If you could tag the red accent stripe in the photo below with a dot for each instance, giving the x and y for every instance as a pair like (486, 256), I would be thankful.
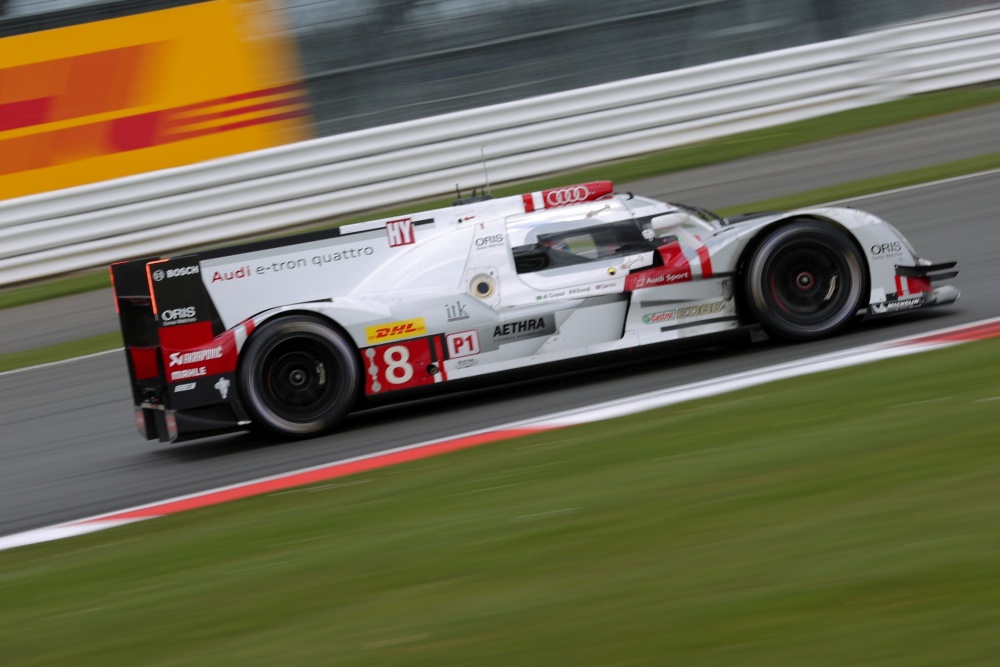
(988, 330)
(706, 262)
(899, 286)
(529, 204)
(176, 121)
(439, 353)
(144, 362)
(267, 92)
(181, 136)
(25, 113)
(332, 471)
(194, 335)
(918, 285)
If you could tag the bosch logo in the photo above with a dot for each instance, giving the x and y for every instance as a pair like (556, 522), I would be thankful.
(183, 271)
(887, 248)
(159, 275)
(566, 196)
(178, 314)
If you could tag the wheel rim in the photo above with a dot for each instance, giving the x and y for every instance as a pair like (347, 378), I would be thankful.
(808, 281)
(297, 382)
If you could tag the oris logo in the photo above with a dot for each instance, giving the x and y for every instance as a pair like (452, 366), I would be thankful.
(887, 248)
(489, 241)
(565, 196)
(177, 314)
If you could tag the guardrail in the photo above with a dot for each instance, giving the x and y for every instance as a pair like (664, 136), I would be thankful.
(161, 212)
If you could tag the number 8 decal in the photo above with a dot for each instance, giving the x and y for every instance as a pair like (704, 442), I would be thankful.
(400, 365)
(398, 370)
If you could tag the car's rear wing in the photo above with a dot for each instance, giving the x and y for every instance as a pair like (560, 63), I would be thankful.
(133, 303)
(180, 360)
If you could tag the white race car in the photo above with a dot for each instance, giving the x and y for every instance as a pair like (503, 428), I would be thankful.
(290, 335)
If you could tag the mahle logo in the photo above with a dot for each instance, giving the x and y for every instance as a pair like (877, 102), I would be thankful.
(383, 333)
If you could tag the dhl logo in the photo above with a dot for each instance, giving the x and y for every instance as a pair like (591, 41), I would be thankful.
(89, 92)
(383, 333)
(72, 112)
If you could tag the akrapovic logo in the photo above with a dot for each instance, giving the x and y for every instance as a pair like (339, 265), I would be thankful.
(383, 333)
(179, 315)
(196, 357)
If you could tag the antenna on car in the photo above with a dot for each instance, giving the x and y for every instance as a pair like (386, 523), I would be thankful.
(473, 198)
(486, 174)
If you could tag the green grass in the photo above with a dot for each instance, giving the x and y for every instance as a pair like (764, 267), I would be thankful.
(872, 185)
(677, 159)
(51, 289)
(60, 351)
(845, 518)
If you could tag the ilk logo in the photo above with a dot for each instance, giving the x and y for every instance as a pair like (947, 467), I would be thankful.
(456, 311)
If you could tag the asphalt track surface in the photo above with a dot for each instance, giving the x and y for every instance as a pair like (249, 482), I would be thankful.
(68, 448)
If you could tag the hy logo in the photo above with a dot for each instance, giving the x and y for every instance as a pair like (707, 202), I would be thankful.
(400, 232)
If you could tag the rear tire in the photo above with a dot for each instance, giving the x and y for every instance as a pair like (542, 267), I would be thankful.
(805, 281)
(298, 377)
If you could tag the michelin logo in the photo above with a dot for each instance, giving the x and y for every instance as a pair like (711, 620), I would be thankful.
(893, 306)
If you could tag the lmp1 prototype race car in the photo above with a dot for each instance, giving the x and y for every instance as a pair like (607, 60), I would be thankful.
(290, 335)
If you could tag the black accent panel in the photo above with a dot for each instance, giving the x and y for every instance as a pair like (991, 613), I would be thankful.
(926, 271)
(294, 239)
(206, 421)
(714, 320)
(270, 244)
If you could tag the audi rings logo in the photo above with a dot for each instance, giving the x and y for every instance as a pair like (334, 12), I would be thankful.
(159, 275)
(564, 196)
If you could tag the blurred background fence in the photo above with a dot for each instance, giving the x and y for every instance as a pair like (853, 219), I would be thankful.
(369, 63)
(544, 100)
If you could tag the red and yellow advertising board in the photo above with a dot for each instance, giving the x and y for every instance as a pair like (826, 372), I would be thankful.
(145, 91)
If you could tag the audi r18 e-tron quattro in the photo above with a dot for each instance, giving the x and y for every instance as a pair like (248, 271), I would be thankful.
(291, 335)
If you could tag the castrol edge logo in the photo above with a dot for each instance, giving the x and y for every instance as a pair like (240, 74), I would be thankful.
(383, 333)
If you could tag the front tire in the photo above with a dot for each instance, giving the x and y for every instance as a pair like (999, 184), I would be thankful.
(805, 281)
(298, 376)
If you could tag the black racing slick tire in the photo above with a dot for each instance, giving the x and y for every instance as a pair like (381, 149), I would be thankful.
(805, 281)
(298, 376)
